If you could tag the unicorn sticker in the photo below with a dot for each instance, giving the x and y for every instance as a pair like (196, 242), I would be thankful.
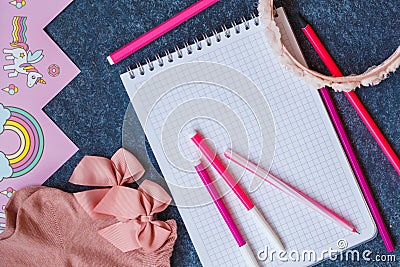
(23, 59)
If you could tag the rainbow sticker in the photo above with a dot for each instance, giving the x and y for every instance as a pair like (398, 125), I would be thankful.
(19, 29)
(31, 138)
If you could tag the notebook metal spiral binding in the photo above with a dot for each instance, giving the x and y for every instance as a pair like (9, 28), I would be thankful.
(196, 45)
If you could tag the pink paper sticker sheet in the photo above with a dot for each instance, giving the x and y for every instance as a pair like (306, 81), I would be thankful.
(33, 71)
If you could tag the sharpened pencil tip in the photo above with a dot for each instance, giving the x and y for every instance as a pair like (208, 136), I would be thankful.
(303, 23)
(228, 153)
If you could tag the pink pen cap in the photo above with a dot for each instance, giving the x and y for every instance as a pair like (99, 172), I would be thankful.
(221, 169)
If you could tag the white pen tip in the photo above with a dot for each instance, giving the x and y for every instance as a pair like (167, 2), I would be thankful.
(191, 134)
(109, 59)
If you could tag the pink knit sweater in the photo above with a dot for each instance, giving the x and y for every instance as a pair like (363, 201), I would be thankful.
(47, 227)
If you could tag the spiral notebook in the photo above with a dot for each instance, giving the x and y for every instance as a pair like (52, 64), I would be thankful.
(175, 95)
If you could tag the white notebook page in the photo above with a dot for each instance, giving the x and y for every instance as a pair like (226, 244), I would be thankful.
(307, 152)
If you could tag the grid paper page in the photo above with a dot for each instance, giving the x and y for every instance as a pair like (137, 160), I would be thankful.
(307, 153)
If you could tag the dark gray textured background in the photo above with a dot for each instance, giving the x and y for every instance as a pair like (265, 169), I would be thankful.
(90, 110)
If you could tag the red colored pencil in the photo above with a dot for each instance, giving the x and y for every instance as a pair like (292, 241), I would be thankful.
(351, 96)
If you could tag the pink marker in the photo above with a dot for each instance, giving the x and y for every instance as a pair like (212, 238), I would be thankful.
(158, 31)
(222, 170)
(244, 248)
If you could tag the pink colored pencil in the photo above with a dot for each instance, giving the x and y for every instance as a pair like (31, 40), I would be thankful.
(387, 240)
(251, 208)
(288, 189)
(244, 248)
(368, 121)
(158, 31)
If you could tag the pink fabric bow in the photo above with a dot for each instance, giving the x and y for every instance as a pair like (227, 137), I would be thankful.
(133, 208)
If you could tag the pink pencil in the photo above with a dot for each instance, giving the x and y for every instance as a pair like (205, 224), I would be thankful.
(288, 189)
(244, 248)
(221, 169)
(373, 128)
(158, 31)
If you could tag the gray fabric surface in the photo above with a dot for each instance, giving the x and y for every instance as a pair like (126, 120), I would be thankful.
(90, 110)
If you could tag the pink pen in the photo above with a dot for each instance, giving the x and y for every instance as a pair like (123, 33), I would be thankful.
(222, 170)
(158, 31)
(244, 248)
